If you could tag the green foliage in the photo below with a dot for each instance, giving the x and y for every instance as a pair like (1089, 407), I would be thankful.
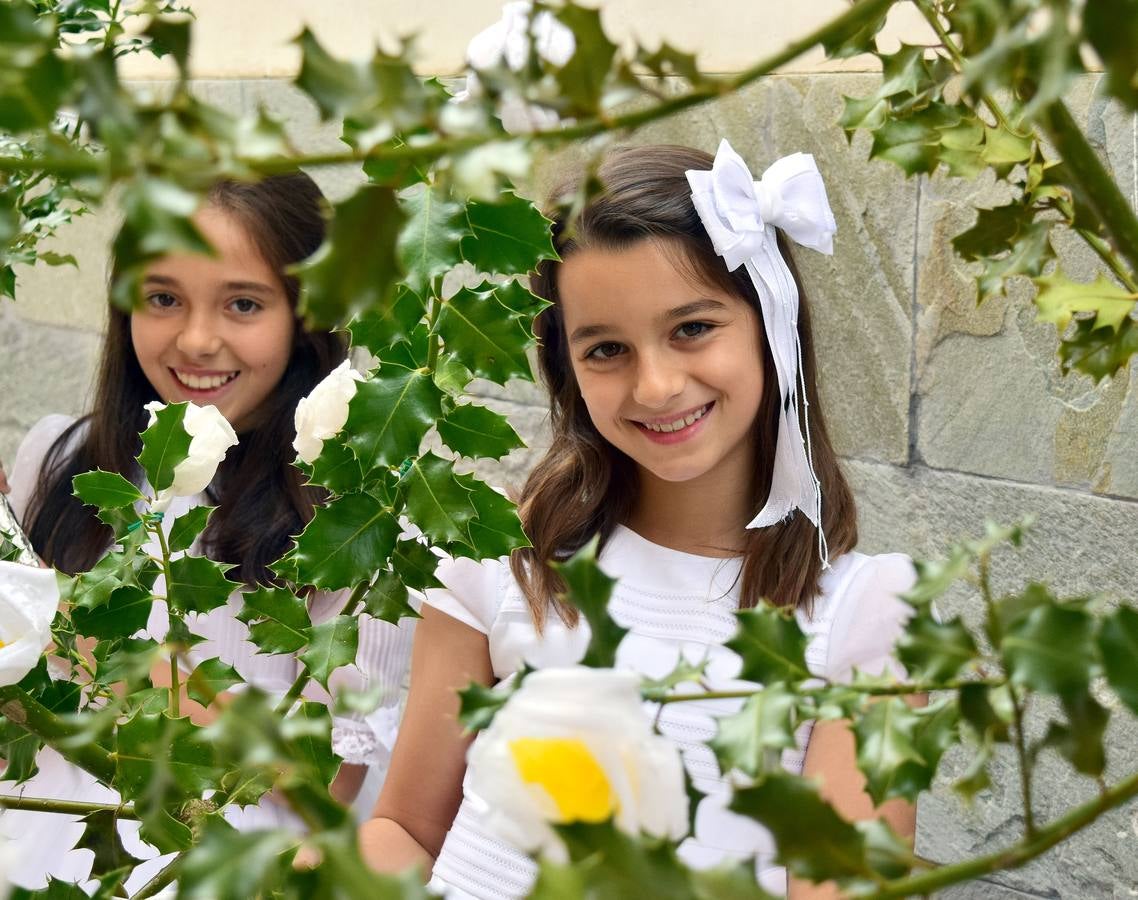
(277, 619)
(164, 445)
(389, 415)
(197, 584)
(771, 644)
(476, 431)
(106, 490)
(588, 589)
(752, 739)
(333, 644)
(486, 336)
(346, 542)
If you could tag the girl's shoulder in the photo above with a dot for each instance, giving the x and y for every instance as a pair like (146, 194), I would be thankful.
(26, 467)
(471, 590)
(860, 613)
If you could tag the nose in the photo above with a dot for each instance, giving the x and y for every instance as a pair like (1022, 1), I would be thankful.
(200, 335)
(658, 380)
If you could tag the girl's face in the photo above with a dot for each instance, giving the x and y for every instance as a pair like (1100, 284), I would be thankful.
(670, 370)
(214, 330)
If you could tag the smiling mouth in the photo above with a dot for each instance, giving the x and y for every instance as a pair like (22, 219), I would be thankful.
(203, 382)
(679, 423)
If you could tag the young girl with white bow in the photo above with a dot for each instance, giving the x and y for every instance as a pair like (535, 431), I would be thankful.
(221, 332)
(688, 438)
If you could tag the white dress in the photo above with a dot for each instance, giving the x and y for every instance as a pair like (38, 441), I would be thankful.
(673, 603)
(42, 843)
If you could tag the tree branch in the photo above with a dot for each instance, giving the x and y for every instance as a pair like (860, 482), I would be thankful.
(20, 709)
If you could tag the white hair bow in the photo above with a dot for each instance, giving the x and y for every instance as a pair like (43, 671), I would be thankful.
(740, 215)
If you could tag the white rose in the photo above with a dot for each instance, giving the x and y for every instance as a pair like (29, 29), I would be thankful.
(210, 437)
(575, 744)
(507, 42)
(29, 597)
(324, 411)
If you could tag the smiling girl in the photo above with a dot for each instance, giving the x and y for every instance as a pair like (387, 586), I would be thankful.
(220, 330)
(679, 361)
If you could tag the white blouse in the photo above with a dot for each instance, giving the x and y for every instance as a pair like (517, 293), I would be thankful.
(674, 604)
(382, 662)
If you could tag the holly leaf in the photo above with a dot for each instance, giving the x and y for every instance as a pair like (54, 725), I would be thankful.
(187, 527)
(197, 584)
(885, 734)
(387, 599)
(126, 611)
(278, 619)
(1118, 644)
(429, 244)
(477, 432)
(345, 542)
(338, 87)
(336, 468)
(389, 415)
(1098, 352)
(210, 678)
(936, 729)
(858, 36)
(1051, 649)
(382, 326)
(934, 651)
(771, 645)
(751, 739)
(913, 142)
(813, 841)
(106, 490)
(231, 863)
(588, 589)
(101, 837)
(479, 703)
(311, 743)
(1111, 27)
(976, 708)
(486, 338)
(437, 501)
(509, 237)
(355, 268)
(496, 529)
(415, 564)
(1004, 148)
(1059, 299)
(165, 444)
(1080, 738)
(153, 749)
(582, 79)
(333, 644)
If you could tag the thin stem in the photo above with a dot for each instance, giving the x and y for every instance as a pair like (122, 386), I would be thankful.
(887, 690)
(849, 21)
(433, 340)
(159, 881)
(1025, 768)
(20, 709)
(1026, 850)
(175, 687)
(930, 14)
(1107, 255)
(66, 807)
(1091, 179)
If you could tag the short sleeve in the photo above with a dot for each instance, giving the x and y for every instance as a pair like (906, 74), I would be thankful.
(25, 472)
(870, 617)
(472, 590)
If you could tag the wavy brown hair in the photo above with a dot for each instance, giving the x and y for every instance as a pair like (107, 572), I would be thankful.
(584, 486)
(262, 499)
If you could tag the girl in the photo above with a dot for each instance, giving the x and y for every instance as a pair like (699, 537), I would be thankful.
(677, 351)
(219, 330)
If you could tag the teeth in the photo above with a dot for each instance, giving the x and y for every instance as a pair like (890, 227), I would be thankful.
(203, 382)
(669, 427)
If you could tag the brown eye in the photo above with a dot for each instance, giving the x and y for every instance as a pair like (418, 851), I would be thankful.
(161, 300)
(694, 329)
(607, 350)
(244, 305)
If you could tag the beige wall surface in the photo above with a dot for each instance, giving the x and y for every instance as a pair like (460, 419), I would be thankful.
(252, 38)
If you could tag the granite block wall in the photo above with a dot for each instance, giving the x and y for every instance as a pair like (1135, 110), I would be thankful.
(946, 413)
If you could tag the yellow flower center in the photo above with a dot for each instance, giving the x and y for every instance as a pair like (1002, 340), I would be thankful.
(569, 773)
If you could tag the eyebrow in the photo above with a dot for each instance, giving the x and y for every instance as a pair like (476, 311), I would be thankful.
(255, 286)
(703, 305)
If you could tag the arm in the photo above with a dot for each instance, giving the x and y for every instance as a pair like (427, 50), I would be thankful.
(424, 784)
(831, 759)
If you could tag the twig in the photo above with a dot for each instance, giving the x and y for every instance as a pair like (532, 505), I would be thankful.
(67, 807)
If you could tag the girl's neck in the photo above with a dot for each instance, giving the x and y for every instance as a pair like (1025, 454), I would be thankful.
(702, 516)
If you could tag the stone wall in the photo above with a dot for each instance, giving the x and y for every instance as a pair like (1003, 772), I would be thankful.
(946, 413)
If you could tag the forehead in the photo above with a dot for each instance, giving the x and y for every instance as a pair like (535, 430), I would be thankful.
(642, 281)
(236, 251)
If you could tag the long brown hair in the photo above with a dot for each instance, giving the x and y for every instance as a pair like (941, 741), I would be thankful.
(584, 486)
(262, 498)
